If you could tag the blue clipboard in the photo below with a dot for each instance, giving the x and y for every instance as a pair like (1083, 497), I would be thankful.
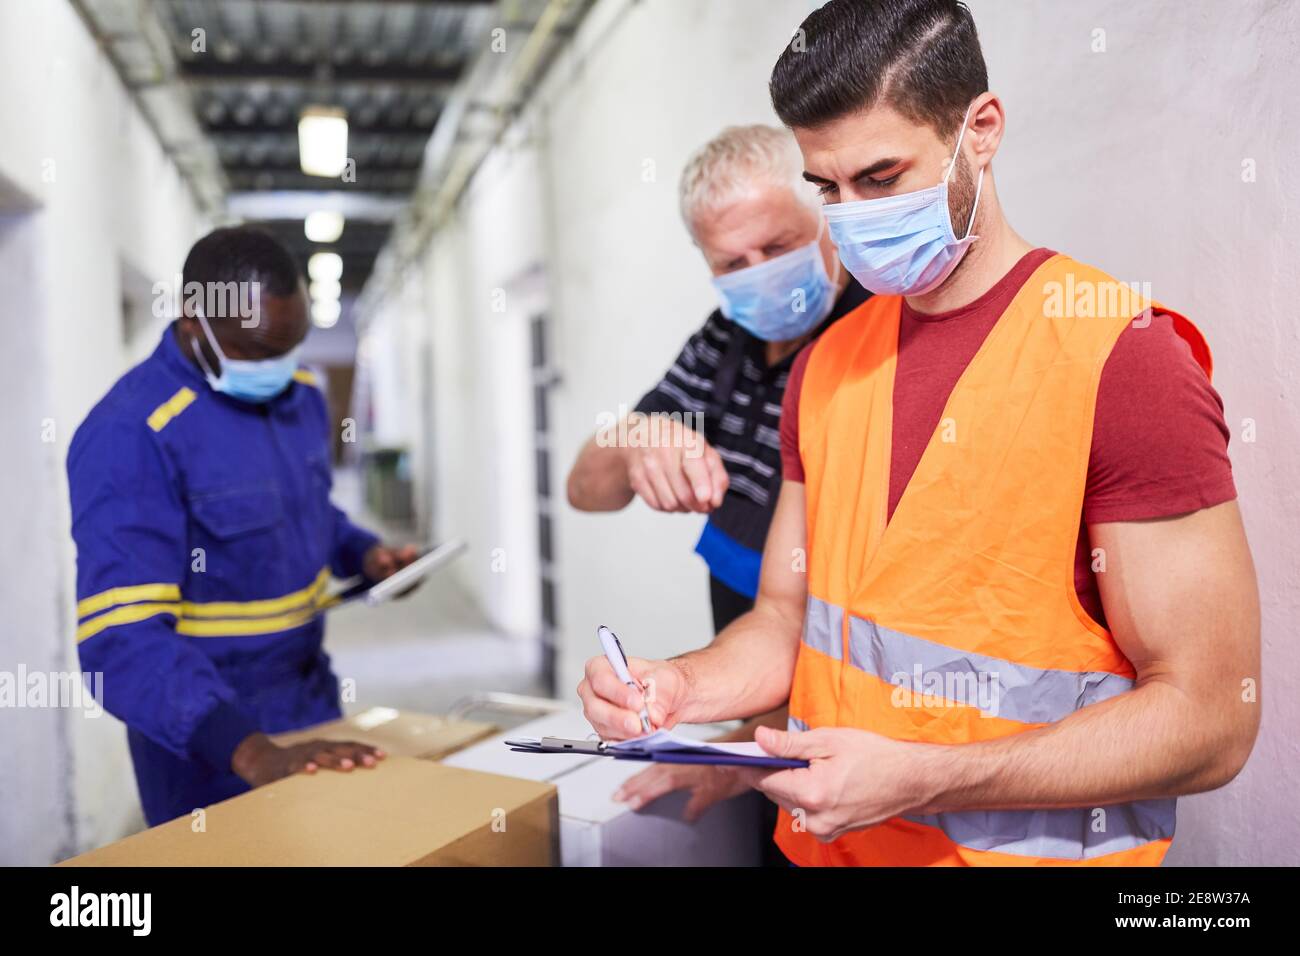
(598, 748)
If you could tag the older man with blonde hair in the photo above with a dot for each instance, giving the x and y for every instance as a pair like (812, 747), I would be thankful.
(710, 427)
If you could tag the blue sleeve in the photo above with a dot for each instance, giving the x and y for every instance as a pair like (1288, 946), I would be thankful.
(350, 545)
(129, 525)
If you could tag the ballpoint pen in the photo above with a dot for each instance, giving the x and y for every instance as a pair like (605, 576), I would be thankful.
(618, 660)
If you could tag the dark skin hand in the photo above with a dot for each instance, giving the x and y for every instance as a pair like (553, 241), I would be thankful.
(258, 760)
(381, 561)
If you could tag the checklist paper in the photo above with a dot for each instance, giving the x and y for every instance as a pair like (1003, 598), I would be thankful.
(666, 740)
(662, 746)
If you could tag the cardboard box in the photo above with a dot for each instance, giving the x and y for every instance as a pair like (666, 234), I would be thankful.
(404, 812)
(397, 733)
(597, 831)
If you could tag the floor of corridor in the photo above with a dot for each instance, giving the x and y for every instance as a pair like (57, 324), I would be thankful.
(428, 650)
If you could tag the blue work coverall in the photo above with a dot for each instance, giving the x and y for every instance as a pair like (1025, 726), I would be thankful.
(205, 541)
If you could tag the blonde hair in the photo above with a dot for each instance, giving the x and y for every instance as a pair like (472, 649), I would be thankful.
(724, 169)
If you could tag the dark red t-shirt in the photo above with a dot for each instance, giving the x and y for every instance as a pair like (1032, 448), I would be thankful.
(1159, 441)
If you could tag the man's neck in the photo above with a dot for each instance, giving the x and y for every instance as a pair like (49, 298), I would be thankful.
(776, 352)
(989, 258)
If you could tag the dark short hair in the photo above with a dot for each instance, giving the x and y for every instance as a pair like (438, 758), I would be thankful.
(243, 254)
(921, 57)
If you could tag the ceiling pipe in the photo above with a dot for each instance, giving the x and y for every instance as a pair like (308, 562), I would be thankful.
(160, 97)
(453, 156)
(521, 70)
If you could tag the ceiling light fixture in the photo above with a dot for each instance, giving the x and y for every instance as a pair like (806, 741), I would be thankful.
(323, 141)
(323, 225)
(325, 266)
(325, 313)
(325, 289)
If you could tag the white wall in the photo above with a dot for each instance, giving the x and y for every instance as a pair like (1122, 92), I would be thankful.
(74, 145)
(36, 802)
(1130, 159)
(476, 276)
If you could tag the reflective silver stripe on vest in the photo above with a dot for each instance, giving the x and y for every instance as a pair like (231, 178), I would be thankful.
(997, 687)
(1058, 834)
(794, 725)
(823, 627)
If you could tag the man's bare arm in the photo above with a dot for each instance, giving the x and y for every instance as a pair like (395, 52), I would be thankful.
(669, 466)
(598, 480)
(1182, 602)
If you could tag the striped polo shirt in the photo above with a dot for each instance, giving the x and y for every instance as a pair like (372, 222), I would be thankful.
(746, 432)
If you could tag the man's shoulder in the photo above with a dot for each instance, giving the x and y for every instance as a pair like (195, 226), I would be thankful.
(711, 341)
(718, 329)
(1158, 350)
(1160, 440)
(138, 406)
(309, 393)
(1155, 336)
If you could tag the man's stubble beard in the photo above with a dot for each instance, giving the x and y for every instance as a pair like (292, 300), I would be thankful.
(961, 201)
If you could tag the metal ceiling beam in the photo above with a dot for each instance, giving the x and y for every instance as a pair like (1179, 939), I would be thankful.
(392, 182)
(355, 206)
(374, 166)
(432, 87)
(405, 134)
(246, 71)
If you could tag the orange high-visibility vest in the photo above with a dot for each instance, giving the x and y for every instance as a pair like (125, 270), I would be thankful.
(959, 621)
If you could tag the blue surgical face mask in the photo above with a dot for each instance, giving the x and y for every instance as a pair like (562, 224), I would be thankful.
(902, 245)
(246, 380)
(781, 299)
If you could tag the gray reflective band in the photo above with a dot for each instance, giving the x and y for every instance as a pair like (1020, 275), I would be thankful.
(1075, 834)
(794, 725)
(997, 687)
(823, 628)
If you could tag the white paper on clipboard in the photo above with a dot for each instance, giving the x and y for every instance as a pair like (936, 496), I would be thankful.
(418, 569)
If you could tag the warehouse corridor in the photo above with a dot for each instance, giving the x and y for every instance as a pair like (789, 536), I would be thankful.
(498, 231)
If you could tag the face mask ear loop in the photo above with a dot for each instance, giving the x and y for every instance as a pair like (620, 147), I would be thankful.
(212, 340)
(970, 224)
(952, 164)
